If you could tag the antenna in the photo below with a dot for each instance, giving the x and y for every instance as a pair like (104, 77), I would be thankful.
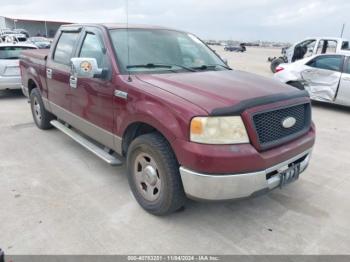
(127, 37)
(342, 31)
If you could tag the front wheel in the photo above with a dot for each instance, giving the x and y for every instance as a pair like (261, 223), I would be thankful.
(153, 175)
(41, 116)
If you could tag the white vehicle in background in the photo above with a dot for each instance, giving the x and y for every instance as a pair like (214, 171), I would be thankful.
(309, 47)
(6, 33)
(325, 77)
(10, 77)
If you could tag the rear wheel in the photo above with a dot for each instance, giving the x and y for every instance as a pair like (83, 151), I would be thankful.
(153, 175)
(275, 63)
(41, 116)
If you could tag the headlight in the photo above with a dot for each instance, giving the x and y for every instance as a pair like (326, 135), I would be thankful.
(218, 130)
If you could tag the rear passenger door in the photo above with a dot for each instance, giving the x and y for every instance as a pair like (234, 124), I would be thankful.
(322, 76)
(58, 71)
(343, 96)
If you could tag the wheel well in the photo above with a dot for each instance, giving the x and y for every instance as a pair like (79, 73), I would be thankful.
(31, 85)
(133, 131)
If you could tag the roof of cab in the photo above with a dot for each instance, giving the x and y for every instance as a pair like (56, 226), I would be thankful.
(120, 26)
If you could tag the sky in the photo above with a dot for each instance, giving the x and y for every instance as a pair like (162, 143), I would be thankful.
(245, 20)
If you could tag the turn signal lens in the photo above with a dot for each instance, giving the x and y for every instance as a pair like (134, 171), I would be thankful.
(196, 126)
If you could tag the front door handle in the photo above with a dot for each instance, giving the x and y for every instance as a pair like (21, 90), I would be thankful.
(49, 73)
(73, 81)
(121, 94)
(346, 78)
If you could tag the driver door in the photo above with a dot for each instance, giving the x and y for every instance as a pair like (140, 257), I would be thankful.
(322, 75)
(92, 99)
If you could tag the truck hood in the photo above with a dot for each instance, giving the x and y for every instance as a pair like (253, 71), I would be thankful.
(217, 89)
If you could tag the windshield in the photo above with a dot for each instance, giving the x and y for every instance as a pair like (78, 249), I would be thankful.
(12, 52)
(162, 50)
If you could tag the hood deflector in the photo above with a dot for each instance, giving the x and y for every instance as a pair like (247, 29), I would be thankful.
(249, 103)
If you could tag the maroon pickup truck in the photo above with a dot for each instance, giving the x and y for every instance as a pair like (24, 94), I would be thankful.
(186, 123)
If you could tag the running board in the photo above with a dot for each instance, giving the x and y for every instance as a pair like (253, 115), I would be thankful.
(110, 159)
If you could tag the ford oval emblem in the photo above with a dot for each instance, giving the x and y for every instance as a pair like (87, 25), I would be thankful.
(289, 122)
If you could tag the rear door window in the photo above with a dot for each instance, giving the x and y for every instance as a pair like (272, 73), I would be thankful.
(332, 63)
(327, 46)
(65, 47)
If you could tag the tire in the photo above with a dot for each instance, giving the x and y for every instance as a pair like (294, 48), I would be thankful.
(153, 175)
(274, 63)
(41, 116)
(296, 84)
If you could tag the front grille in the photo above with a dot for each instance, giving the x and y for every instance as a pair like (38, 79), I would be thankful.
(269, 127)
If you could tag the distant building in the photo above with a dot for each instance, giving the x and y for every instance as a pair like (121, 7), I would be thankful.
(34, 27)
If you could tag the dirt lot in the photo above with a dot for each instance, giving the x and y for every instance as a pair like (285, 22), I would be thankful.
(254, 60)
(57, 198)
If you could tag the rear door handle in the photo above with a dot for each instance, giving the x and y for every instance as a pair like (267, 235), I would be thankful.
(73, 81)
(346, 78)
(49, 73)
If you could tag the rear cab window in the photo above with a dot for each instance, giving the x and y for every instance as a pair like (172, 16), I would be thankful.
(345, 45)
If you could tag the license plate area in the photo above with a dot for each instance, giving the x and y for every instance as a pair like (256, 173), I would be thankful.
(289, 175)
(12, 71)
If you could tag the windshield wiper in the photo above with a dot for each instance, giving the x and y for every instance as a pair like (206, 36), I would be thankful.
(205, 67)
(149, 65)
(152, 65)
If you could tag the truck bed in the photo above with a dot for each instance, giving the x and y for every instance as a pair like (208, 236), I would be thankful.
(37, 54)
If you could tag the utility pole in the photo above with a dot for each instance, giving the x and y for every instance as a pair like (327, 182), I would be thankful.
(342, 31)
(46, 29)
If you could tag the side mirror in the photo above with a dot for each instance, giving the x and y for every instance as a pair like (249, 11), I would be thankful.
(86, 68)
(225, 61)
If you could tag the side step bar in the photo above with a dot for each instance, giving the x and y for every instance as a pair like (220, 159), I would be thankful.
(110, 159)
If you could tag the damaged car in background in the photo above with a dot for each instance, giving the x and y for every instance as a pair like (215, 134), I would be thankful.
(309, 47)
(325, 77)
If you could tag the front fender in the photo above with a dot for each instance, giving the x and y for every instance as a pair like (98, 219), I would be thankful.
(157, 116)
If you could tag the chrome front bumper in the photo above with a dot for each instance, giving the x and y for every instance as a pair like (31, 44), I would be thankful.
(226, 187)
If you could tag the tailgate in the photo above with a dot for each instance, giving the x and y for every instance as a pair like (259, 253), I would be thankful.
(9, 67)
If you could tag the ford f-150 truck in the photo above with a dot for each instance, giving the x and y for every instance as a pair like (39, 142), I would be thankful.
(187, 124)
